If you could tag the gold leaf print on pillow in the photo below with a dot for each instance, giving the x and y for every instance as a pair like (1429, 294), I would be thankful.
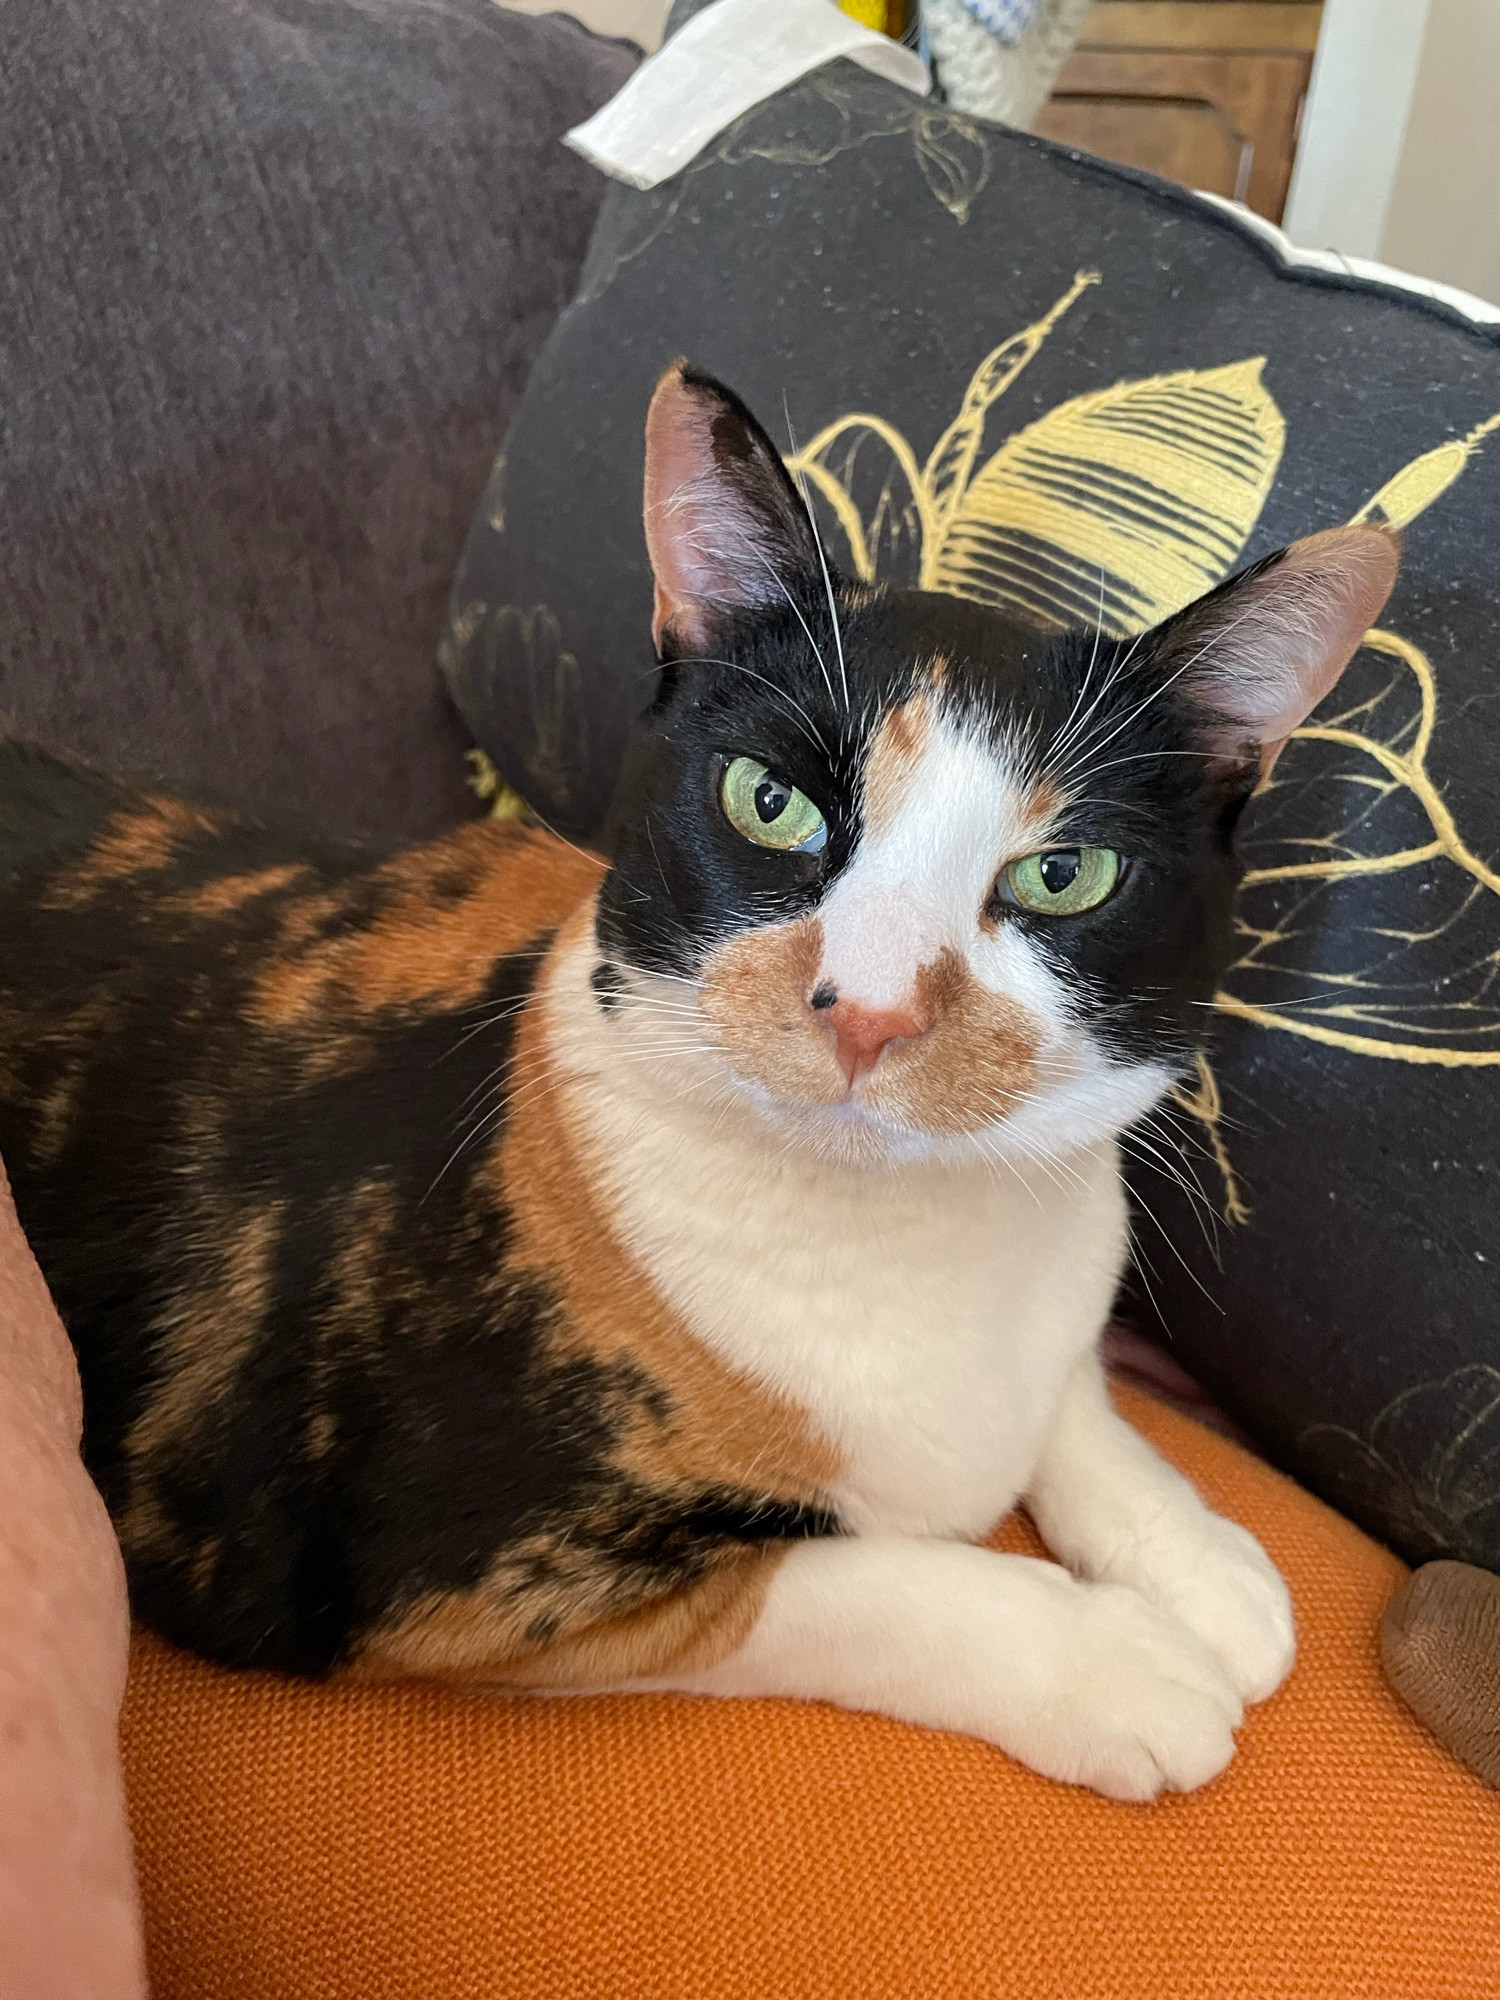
(1117, 508)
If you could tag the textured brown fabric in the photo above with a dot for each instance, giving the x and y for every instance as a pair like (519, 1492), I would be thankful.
(398, 1843)
(1440, 1647)
(272, 274)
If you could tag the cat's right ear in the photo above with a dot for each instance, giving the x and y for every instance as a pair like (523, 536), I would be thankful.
(725, 528)
(1257, 655)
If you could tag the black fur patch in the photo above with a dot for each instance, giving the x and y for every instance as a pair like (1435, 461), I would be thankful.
(608, 985)
(1141, 964)
(801, 676)
(318, 1389)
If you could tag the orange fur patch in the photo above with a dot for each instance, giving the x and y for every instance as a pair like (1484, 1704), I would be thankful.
(207, 1339)
(139, 841)
(75, 1043)
(704, 1425)
(430, 946)
(479, 1639)
(895, 755)
(1044, 807)
(755, 991)
(231, 892)
(975, 1063)
(975, 1060)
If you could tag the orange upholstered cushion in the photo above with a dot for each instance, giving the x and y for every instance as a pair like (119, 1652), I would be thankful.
(298, 1841)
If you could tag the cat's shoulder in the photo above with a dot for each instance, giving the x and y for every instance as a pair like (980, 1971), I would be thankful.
(72, 829)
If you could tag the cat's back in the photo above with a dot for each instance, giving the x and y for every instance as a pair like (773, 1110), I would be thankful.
(180, 986)
(249, 1080)
(89, 860)
(98, 872)
(50, 810)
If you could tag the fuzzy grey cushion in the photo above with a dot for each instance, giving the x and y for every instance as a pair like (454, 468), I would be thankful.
(273, 275)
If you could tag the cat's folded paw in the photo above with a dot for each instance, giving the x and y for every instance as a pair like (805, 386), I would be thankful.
(1220, 1582)
(1141, 1706)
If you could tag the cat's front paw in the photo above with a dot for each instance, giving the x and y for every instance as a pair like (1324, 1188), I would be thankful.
(1214, 1576)
(1140, 1705)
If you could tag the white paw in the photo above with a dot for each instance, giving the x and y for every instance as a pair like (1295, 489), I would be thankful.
(1139, 1705)
(1214, 1576)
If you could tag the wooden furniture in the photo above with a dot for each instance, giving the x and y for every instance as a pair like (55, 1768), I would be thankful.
(1206, 92)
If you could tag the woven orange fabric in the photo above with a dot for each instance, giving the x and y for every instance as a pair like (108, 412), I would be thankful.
(400, 1844)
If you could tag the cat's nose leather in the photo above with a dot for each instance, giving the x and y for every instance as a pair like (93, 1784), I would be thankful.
(861, 1035)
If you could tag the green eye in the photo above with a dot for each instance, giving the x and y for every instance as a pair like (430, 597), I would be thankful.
(767, 810)
(1064, 881)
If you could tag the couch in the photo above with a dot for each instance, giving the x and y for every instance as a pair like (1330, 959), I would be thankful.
(275, 272)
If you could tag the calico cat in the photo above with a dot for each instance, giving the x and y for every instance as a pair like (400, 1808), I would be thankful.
(490, 1264)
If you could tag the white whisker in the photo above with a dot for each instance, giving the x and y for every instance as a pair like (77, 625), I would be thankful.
(811, 730)
(761, 557)
(833, 611)
(1162, 687)
(1153, 1218)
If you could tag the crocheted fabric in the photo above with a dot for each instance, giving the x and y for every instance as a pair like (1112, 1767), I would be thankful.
(302, 1842)
(1005, 67)
(1007, 20)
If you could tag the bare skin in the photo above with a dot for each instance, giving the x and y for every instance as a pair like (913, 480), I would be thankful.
(69, 1918)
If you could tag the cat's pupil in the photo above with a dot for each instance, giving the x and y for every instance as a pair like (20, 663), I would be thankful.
(772, 798)
(1060, 870)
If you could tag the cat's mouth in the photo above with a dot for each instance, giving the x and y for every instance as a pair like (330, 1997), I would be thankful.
(1079, 1098)
(952, 1058)
(852, 1128)
(924, 1097)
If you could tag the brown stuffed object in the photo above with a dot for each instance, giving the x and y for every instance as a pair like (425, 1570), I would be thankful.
(1440, 1646)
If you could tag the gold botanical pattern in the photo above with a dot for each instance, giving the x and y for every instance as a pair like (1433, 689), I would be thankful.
(1428, 1467)
(1118, 508)
(1414, 986)
(952, 152)
(835, 115)
(520, 651)
(1201, 1100)
(486, 783)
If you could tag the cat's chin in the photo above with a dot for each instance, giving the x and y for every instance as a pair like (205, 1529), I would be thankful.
(851, 1133)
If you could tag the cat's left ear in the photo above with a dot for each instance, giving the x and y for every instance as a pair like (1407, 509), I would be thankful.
(725, 528)
(1256, 656)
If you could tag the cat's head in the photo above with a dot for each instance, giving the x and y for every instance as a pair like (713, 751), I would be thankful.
(907, 877)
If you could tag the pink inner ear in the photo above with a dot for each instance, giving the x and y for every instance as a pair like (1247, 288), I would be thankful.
(704, 535)
(724, 527)
(678, 451)
(1283, 638)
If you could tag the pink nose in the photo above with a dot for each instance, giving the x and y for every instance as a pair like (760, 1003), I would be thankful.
(862, 1034)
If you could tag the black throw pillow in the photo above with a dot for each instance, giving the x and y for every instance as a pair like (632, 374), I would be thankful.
(1074, 392)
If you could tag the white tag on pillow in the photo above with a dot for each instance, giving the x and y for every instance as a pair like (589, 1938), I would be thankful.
(731, 56)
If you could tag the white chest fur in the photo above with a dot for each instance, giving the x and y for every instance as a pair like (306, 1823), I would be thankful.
(923, 1315)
